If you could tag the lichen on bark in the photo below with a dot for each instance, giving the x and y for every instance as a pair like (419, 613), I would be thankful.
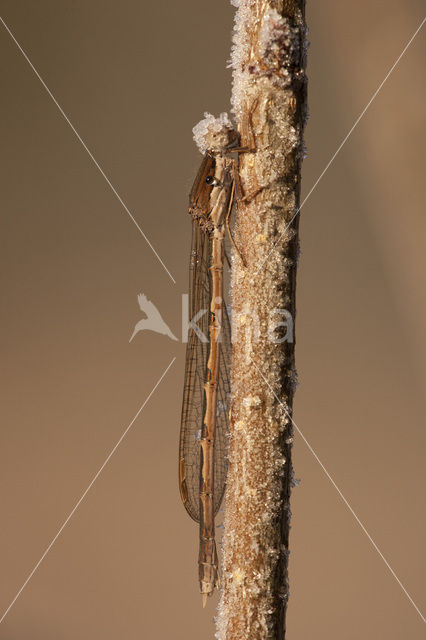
(269, 103)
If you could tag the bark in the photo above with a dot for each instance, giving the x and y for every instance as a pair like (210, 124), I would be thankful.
(269, 101)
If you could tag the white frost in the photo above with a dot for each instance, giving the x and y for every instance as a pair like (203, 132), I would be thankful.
(214, 134)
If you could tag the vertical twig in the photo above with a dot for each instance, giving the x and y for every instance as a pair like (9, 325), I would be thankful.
(269, 101)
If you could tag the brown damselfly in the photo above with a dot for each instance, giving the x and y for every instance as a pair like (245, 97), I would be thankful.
(205, 410)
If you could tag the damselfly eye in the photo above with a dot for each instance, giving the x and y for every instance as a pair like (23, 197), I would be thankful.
(210, 180)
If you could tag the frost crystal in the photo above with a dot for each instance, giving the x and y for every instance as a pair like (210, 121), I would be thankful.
(279, 51)
(279, 45)
(214, 134)
(250, 402)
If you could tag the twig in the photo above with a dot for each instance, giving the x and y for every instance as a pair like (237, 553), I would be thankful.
(269, 101)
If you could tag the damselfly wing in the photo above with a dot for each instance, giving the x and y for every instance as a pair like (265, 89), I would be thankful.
(197, 353)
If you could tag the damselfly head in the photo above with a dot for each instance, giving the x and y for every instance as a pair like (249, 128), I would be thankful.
(215, 135)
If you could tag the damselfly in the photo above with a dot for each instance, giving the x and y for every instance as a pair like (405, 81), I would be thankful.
(205, 411)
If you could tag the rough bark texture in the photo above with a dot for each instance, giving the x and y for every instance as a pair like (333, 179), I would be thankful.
(269, 92)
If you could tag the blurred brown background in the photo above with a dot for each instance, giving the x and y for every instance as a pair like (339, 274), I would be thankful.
(134, 78)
